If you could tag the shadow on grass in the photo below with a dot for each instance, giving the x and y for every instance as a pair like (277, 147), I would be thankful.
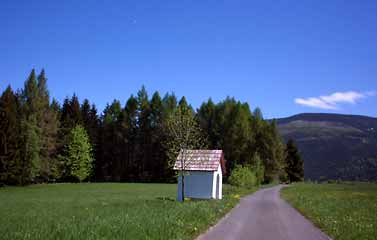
(166, 199)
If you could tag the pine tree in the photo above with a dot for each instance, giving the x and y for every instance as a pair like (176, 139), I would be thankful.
(294, 163)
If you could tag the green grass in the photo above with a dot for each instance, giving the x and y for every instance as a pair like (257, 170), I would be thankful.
(107, 211)
(344, 211)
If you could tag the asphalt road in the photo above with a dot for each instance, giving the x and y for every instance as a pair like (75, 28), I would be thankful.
(264, 216)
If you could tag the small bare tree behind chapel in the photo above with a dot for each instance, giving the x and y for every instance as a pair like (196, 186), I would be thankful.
(183, 133)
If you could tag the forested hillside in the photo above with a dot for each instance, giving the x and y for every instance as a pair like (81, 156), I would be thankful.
(334, 146)
(41, 138)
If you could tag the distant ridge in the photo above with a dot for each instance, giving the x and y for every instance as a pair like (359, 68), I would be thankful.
(334, 146)
(356, 120)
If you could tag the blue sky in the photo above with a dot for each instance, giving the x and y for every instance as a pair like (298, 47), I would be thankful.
(286, 57)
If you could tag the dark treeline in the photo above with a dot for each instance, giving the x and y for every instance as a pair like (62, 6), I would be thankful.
(127, 140)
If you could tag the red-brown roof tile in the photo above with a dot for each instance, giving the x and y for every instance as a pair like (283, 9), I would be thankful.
(200, 160)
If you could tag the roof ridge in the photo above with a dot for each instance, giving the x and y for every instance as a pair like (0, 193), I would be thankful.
(199, 159)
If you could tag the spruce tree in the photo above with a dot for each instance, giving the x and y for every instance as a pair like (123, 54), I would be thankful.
(31, 162)
(269, 145)
(75, 111)
(183, 103)
(232, 131)
(169, 103)
(258, 114)
(143, 134)
(10, 169)
(93, 129)
(85, 109)
(157, 157)
(47, 119)
(90, 122)
(43, 93)
(231, 126)
(129, 126)
(70, 116)
(294, 164)
(64, 112)
(206, 115)
(111, 141)
(276, 152)
(55, 106)
(65, 126)
(30, 131)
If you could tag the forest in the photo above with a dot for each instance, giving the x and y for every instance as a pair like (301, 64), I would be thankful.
(40, 137)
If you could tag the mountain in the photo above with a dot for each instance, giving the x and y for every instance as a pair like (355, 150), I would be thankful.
(334, 146)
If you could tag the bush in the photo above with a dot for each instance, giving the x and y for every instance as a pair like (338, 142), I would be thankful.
(243, 176)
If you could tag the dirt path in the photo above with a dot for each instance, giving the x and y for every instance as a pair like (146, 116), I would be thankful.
(264, 215)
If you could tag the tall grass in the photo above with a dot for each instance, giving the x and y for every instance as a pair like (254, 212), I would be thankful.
(345, 211)
(107, 211)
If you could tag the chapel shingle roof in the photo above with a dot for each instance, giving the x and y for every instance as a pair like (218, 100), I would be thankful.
(200, 160)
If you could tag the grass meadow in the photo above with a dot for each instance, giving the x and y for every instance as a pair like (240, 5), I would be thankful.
(344, 211)
(107, 211)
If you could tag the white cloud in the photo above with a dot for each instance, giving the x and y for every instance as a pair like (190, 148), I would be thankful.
(340, 97)
(332, 101)
(314, 102)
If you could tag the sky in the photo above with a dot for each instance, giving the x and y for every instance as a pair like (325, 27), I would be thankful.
(286, 57)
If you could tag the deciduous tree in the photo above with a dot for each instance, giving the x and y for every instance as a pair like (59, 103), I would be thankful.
(77, 157)
(183, 133)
